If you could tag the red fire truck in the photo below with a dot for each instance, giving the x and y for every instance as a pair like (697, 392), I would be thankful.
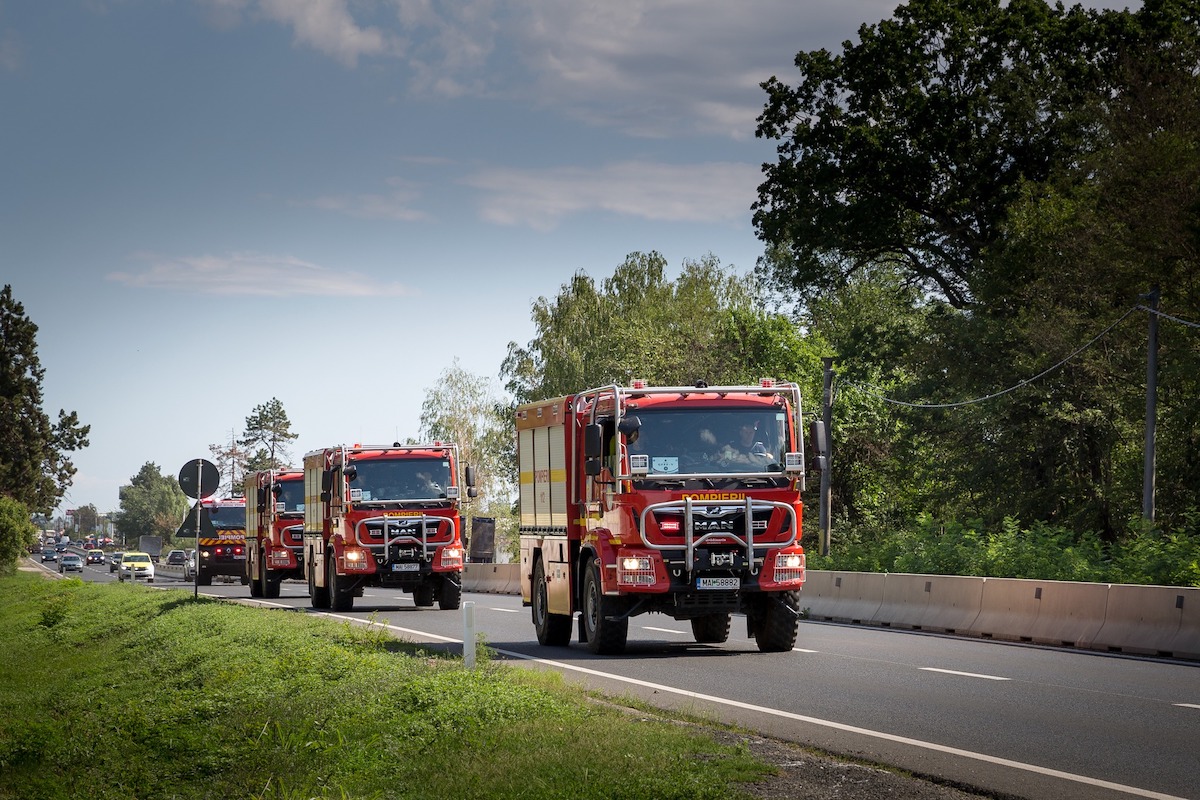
(384, 515)
(274, 529)
(679, 500)
(223, 553)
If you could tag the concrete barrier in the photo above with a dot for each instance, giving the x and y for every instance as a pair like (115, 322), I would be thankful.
(491, 578)
(842, 596)
(1008, 608)
(1147, 620)
(1070, 613)
(929, 602)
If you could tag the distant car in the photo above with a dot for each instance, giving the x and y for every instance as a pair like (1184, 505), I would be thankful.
(94, 557)
(70, 562)
(114, 562)
(49, 554)
(135, 566)
(177, 558)
(189, 567)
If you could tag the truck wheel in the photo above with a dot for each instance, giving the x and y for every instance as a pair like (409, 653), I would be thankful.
(256, 584)
(423, 596)
(271, 586)
(711, 628)
(451, 596)
(341, 596)
(553, 630)
(604, 636)
(776, 629)
(319, 594)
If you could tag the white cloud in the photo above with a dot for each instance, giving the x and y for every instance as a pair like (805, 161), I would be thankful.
(397, 205)
(717, 193)
(254, 275)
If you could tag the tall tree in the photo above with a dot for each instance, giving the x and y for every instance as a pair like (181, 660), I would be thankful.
(466, 409)
(268, 434)
(232, 463)
(34, 467)
(705, 325)
(152, 504)
(909, 146)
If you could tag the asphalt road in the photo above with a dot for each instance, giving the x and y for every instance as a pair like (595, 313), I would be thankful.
(1010, 719)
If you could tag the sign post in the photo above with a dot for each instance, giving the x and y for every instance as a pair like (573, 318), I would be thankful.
(198, 479)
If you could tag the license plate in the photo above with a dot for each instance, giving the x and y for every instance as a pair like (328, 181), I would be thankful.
(406, 567)
(718, 583)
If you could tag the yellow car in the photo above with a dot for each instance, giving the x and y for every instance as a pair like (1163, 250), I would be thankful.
(135, 566)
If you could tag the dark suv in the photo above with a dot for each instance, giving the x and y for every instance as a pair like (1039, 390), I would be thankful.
(177, 558)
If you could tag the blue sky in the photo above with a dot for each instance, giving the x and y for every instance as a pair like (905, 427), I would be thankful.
(205, 204)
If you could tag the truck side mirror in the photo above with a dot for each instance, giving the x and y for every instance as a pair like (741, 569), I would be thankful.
(261, 497)
(470, 472)
(630, 425)
(593, 441)
(350, 472)
(326, 481)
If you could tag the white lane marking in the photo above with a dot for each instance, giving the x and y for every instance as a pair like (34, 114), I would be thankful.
(802, 650)
(965, 674)
(507, 610)
(662, 630)
(775, 712)
(1187, 705)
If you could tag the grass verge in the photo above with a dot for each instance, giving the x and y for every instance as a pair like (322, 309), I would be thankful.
(115, 691)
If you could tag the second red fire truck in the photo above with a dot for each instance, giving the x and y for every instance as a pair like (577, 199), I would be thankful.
(384, 515)
(274, 529)
(679, 500)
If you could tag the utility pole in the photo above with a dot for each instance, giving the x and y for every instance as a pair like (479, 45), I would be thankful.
(1151, 406)
(827, 419)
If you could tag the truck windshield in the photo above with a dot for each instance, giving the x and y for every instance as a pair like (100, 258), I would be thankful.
(384, 479)
(228, 518)
(733, 441)
(291, 494)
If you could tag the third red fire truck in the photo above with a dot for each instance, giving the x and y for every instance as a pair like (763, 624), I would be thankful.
(679, 500)
(274, 529)
(223, 552)
(384, 515)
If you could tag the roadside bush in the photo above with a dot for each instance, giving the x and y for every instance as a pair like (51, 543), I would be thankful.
(16, 533)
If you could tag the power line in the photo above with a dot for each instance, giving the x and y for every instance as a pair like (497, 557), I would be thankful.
(1158, 313)
(1016, 386)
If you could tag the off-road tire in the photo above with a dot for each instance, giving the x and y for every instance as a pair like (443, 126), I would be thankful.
(423, 596)
(319, 594)
(341, 597)
(271, 586)
(450, 598)
(553, 630)
(256, 584)
(776, 629)
(604, 636)
(711, 628)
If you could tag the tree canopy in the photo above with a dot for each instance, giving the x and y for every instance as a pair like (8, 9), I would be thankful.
(704, 325)
(268, 435)
(971, 205)
(34, 465)
(909, 146)
(152, 504)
